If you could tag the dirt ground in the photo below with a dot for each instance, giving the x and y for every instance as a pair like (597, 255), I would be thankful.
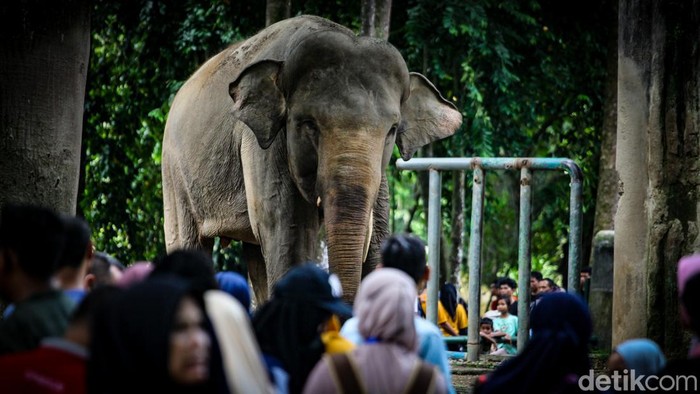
(464, 374)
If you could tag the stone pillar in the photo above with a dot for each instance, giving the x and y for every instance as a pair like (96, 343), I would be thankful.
(601, 294)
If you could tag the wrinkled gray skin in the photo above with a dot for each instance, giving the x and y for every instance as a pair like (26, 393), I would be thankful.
(301, 113)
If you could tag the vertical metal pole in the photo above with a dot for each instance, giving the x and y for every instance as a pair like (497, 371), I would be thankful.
(433, 243)
(473, 339)
(524, 257)
(573, 284)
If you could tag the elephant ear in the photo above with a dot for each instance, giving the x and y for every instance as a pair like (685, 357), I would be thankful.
(425, 117)
(258, 102)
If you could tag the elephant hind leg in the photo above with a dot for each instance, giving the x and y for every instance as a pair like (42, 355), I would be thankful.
(181, 229)
(255, 263)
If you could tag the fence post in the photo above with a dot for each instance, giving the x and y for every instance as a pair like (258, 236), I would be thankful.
(474, 262)
(435, 186)
(524, 253)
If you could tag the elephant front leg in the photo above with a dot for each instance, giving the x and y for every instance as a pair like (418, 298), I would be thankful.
(380, 227)
(255, 263)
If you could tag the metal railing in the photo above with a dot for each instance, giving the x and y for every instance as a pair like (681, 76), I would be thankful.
(478, 165)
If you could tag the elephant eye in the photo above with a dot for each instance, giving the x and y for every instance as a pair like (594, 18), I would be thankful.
(393, 130)
(308, 125)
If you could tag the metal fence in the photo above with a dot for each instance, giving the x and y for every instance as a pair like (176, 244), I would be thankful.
(478, 165)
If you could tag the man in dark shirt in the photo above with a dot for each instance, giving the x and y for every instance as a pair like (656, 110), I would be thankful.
(31, 241)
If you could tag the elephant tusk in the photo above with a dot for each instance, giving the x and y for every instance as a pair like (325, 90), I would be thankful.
(368, 238)
(318, 202)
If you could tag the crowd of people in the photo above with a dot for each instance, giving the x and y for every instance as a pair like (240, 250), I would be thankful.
(76, 320)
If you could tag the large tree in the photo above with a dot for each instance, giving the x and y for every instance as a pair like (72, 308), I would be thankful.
(44, 51)
(657, 162)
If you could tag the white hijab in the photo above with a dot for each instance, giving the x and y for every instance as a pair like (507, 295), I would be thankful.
(242, 359)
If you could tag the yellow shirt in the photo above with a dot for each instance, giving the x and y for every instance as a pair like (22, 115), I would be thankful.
(333, 341)
(442, 313)
(460, 321)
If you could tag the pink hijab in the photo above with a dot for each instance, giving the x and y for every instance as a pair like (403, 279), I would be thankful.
(135, 273)
(688, 266)
(384, 308)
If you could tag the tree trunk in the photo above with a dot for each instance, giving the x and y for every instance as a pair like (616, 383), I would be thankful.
(44, 52)
(376, 18)
(606, 198)
(368, 11)
(657, 163)
(277, 10)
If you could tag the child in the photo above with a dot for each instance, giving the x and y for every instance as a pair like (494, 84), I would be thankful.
(488, 344)
(505, 327)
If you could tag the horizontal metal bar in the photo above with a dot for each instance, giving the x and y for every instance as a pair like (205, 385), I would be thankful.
(457, 355)
(457, 339)
(491, 163)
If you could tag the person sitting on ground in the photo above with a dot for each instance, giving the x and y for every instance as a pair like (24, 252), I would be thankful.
(505, 328)
(406, 253)
(506, 288)
(556, 355)
(73, 264)
(456, 314)
(26, 269)
(289, 326)
(443, 320)
(103, 269)
(641, 355)
(387, 361)
(689, 308)
(58, 364)
(151, 339)
(488, 344)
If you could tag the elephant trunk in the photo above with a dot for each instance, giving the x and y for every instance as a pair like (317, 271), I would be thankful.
(348, 182)
(348, 229)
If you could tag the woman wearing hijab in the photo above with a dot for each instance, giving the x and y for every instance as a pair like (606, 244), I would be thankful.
(556, 355)
(387, 361)
(242, 361)
(289, 326)
(641, 355)
(236, 285)
(151, 339)
(456, 314)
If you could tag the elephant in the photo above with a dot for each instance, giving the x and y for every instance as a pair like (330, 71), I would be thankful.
(290, 130)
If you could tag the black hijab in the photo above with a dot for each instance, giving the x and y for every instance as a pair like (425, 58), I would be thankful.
(448, 298)
(287, 329)
(130, 345)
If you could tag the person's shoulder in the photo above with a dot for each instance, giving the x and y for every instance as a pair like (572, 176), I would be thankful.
(350, 326)
(425, 327)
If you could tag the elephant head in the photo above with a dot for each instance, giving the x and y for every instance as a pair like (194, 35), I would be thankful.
(342, 102)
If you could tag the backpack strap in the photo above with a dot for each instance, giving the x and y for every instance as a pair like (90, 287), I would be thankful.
(345, 374)
(421, 380)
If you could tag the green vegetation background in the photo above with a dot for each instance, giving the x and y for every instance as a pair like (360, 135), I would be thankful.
(528, 77)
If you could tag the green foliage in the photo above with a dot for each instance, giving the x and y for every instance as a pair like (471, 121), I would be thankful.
(526, 75)
(528, 78)
(142, 51)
